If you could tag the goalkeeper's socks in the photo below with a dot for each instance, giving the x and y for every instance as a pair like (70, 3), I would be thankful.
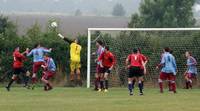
(106, 84)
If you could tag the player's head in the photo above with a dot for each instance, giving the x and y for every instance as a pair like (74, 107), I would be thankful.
(46, 57)
(107, 48)
(17, 49)
(99, 43)
(37, 45)
(166, 49)
(76, 40)
(187, 53)
(135, 50)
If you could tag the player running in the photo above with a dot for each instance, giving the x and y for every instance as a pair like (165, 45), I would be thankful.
(75, 58)
(38, 60)
(168, 70)
(191, 71)
(107, 61)
(99, 69)
(135, 63)
(49, 71)
(18, 67)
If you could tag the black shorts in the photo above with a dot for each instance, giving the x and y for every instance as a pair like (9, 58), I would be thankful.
(106, 70)
(17, 71)
(135, 72)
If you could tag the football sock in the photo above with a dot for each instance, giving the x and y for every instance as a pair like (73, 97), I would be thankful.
(106, 84)
(133, 84)
(101, 84)
(161, 86)
(140, 86)
(10, 83)
(130, 87)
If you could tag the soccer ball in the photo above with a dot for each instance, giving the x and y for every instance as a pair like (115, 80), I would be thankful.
(54, 24)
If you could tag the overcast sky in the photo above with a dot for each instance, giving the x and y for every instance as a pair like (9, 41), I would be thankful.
(88, 7)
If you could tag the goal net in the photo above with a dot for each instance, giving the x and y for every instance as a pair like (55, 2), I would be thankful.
(151, 41)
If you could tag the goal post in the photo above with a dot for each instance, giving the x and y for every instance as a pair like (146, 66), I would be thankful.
(91, 30)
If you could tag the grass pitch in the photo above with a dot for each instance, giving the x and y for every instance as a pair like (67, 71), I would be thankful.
(82, 99)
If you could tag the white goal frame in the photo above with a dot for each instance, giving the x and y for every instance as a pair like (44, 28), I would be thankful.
(123, 29)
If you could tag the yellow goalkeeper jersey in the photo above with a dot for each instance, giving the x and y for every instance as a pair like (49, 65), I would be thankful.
(75, 52)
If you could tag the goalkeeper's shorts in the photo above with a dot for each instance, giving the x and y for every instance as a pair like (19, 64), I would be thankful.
(74, 65)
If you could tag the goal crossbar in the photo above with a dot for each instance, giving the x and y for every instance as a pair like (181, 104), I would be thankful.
(123, 29)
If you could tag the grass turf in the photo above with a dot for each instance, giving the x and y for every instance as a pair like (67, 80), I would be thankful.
(82, 99)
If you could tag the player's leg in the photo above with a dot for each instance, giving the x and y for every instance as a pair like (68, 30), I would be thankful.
(140, 74)
(106, 81)
(131, 81)
(72, 70)
(172, 79)
(101, 85)
(78, 72)
(97, 78)
(188, 80)
(162, 77)
(26, 75)
(45, 79)
(14, 77)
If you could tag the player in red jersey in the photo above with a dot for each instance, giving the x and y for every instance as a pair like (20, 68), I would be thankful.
(134, 63)
(107, 62)
(18, 59)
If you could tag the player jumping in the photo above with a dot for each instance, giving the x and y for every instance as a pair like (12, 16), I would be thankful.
(134, 63)
(75, 58)
(99, 69)
(191, 72)
(18, 59)
(38, 60)
(168, 70)
(107, 61)
(49, 71)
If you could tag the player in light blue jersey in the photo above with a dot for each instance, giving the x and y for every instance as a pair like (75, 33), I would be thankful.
(168, 70)
(49, 72)
(38, 59)
(191, 71)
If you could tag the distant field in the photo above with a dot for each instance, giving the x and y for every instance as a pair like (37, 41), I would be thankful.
(82, 99)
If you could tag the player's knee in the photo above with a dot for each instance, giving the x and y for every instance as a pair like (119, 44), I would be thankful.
(129, 82)
(160, 80)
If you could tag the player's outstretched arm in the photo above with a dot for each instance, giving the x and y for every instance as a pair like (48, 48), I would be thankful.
(65, 38)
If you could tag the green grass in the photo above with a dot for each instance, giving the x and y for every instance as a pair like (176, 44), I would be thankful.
(82, 99)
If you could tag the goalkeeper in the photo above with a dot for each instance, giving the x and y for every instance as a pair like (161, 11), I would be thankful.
(75, 58)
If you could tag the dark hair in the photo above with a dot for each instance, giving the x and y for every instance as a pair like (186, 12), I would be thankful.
(171, 51)
(167, 49)
(36, 45)
(107, 48)
(100, 42)
(135, 50)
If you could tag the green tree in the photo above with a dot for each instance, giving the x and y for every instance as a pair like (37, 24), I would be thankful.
(118, 10)
(164, 13)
